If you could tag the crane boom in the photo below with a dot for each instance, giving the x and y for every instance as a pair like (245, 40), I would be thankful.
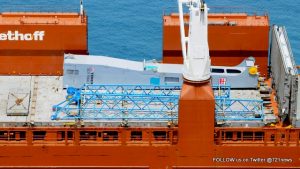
(195, 47)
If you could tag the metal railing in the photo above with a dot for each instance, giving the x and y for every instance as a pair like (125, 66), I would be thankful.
(39, 8)
(89, 136)
(257, 136)
(223, 9)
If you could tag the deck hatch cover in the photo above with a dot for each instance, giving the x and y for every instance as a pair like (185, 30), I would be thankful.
(18, 103)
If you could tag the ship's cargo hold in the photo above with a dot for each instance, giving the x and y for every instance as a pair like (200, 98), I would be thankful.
(34, 43)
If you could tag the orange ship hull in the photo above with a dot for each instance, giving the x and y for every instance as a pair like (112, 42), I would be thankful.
(135, 157)
(149, 152)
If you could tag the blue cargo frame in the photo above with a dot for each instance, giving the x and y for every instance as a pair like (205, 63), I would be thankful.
(120, 102)
(146, 103)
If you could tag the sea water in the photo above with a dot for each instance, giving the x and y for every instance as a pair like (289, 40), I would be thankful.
(132, 29)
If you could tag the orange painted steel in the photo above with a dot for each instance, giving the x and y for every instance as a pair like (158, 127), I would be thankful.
(63, 33)
(91, 147)
(195, 121)
(194, 143)
(229, 44)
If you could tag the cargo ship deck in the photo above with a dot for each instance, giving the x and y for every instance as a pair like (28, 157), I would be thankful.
(28, 100)
(46, 121)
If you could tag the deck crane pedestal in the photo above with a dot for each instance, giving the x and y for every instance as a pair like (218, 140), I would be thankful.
(196, 103)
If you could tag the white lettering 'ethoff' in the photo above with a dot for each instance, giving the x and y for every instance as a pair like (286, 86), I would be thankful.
(16, 36)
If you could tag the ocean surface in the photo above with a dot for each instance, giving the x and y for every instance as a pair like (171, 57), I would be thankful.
(132, 29)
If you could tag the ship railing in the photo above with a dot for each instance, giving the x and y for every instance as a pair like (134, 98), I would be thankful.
(223, 10)
(13, 142)
(266, 136)
(164, 136)
(39, 8)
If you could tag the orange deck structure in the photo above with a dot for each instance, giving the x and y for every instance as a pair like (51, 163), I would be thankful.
(63, 33)
(195, 142)
(231, 38)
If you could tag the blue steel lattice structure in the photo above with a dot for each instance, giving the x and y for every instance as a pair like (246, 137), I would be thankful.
(120, 102)
(136, 103)
(239, 110)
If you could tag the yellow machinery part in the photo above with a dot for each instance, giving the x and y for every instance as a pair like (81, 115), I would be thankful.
(253, 70)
